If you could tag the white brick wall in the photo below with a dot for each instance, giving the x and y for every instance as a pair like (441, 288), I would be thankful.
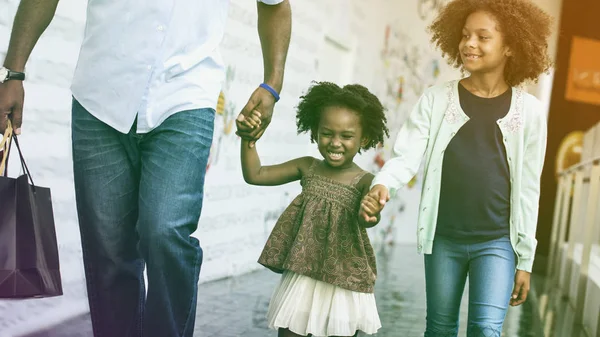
(236, 218)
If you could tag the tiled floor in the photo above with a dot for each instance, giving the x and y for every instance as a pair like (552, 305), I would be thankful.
(237, 306)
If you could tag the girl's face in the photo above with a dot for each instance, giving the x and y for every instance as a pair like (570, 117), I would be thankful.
(482, 48)
(339, 136)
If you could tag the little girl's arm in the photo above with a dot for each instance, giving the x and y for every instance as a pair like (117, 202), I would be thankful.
(256, 174)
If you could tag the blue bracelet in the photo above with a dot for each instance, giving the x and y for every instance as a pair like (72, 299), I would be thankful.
(271, 90)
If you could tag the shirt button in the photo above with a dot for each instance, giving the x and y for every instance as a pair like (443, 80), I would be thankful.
(424, 208)
(453, 133)
(420, 247)
(160, 28)
(149, 67)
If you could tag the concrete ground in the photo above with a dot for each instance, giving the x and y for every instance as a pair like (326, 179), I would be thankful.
(237, 306)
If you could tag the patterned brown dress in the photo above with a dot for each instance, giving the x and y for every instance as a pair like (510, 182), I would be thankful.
(318, 236)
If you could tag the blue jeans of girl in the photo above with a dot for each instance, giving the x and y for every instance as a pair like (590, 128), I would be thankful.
(490, 268)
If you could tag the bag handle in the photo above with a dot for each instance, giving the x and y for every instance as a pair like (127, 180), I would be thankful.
(6, 142)
(5, 147)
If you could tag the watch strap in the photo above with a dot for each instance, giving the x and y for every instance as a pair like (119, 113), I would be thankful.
(15, 75)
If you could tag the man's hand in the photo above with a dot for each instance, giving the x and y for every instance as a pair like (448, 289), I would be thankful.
(263, 102)
(521, 288)
(373, 202)
(12, 95)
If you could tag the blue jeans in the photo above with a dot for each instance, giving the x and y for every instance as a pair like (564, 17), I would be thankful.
(490, 267)
(139, 199)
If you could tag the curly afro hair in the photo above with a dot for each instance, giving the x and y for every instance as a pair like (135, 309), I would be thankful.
(355, 97)
(525, 28)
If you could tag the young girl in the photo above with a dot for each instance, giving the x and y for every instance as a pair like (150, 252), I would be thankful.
(319, 243)
(483, 140)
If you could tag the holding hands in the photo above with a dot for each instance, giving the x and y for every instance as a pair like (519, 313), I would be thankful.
(249, 122)
(372, 204)
(261, 104)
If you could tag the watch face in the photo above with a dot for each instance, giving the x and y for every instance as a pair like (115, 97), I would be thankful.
(3, 74)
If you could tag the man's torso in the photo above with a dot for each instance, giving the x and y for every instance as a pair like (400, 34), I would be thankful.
(149, 59)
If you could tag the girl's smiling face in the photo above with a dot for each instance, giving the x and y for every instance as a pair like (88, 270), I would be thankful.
(482, 48)
(339, 136)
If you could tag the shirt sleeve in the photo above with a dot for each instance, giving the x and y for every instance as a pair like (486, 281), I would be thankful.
(533, 163)
(270, 2)
(409, 148)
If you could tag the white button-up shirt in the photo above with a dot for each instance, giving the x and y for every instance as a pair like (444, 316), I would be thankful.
(150, 59)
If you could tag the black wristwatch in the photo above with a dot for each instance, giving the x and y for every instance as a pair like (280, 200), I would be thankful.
(7, 74)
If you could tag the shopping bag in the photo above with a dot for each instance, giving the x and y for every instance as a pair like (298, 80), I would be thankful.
(29, 265)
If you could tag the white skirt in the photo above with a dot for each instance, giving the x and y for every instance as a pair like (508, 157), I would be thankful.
(308, 306)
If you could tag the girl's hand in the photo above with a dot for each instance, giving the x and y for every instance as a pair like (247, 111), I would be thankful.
(370, 207)
(373, 202)
(251, 122)
(521, 288)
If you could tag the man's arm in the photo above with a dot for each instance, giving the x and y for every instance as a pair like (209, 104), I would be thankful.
(274, 30)
(31, 20)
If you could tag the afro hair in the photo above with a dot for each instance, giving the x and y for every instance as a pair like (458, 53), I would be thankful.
(355, 97)
(524, 25)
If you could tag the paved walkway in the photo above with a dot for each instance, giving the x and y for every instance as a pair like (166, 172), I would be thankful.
(237, 306)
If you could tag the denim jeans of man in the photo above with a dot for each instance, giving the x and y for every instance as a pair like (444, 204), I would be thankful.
(490, 267)
(139, 198)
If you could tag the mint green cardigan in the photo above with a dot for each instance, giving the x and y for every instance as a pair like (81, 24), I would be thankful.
(431, 125)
